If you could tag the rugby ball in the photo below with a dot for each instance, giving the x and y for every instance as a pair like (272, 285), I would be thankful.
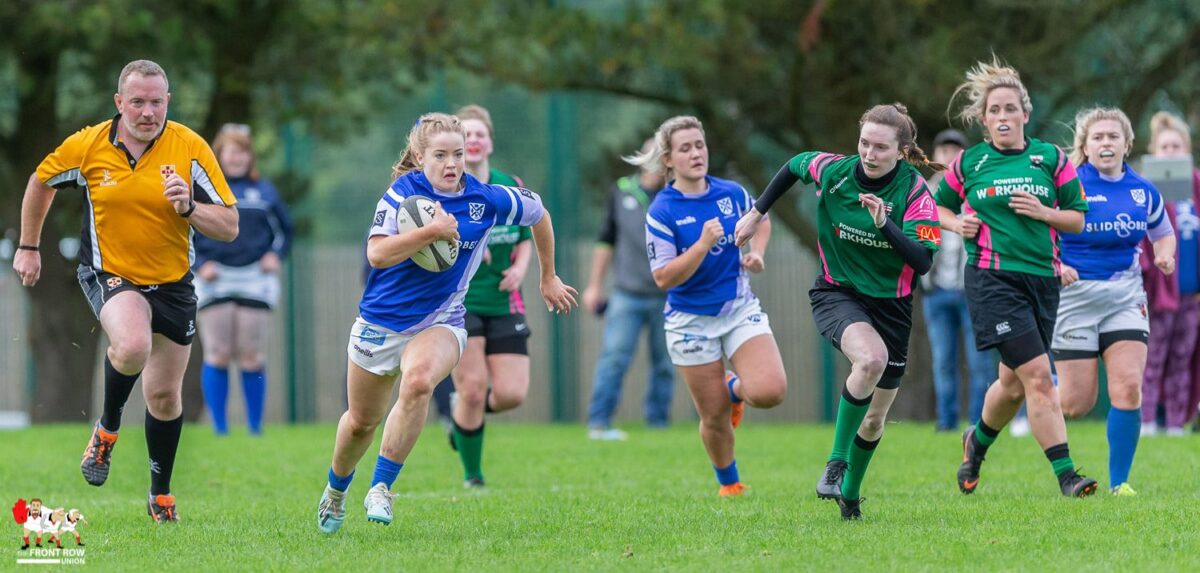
(416, 212)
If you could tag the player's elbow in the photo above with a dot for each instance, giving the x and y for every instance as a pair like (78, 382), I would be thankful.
(1075, 223)
(661, 279)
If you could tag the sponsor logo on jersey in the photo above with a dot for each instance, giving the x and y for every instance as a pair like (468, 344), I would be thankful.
(113, 282)
(725, 204)
(1097, 199)
(651, 251)
(364, 351)
(1007, 187)
(897, 364)
(380, 216)
(1139, 196)
(755, 318)
(930, 234)
(848, 233)
(476, 211)
(1003, 328)
(526, 193)
(191, 329)
(685, 221)
(371, 336)
(1123, 226)
(520, 327)
(107, 180)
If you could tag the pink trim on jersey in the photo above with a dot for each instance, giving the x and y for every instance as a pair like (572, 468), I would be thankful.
(817, 165)
(952, 178)
(1064, 174)
(516, 305)
(986, 254)
(1054, 241)
(904, 286)
(825, 266)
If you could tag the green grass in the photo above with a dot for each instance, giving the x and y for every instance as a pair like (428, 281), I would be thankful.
(558, 502)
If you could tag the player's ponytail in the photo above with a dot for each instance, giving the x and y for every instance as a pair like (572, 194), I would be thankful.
(1084, 121)
(650, 158)
(895, 115)
(1164, 121)
(427, 126)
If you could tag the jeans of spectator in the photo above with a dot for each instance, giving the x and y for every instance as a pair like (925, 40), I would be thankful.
(627, 314)
(1168, 378)
(948, 323)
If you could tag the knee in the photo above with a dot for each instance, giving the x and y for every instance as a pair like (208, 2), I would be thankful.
(1076, 407)
(1040, 388)
(872, 365)
(506, 398)
(164, 400)
(360, 425)
(418, 381)
(129, 354)
(250, 359)
(471, 393)
(872, 424)
(219, 358)
(766, 392)
(1126, 392)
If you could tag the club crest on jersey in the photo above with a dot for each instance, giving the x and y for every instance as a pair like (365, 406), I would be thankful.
(476, 211)
(1139, 196)
(166, 171)
(1035, 160)
(725, 204)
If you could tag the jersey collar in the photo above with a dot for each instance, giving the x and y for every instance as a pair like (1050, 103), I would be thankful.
(1011, 151)
(860, 176)
(114, 138)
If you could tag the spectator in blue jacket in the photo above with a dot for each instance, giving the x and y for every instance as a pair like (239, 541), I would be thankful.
(237, 284)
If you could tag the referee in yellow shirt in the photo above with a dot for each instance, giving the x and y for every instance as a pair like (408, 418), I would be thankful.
(149, 184)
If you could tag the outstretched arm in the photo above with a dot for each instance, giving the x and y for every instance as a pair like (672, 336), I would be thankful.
(559, 297)
(747, 226)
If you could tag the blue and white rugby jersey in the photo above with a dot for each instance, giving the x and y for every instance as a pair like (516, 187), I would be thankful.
(1120, 213)
(407, 298)
(673, 224)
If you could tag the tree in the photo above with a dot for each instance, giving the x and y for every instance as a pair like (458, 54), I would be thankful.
(266, 62)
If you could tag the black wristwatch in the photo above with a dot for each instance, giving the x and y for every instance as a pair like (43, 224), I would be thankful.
(188, 213)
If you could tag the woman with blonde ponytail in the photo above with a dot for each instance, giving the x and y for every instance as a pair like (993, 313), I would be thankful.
(1016, 194)
(1102, 310)
(410, 322)
(877, 231)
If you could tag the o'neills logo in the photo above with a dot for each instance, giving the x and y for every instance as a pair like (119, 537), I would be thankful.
(1006, 187)
(848, 233)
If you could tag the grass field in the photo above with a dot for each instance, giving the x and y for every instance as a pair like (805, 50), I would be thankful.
(558, 502)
